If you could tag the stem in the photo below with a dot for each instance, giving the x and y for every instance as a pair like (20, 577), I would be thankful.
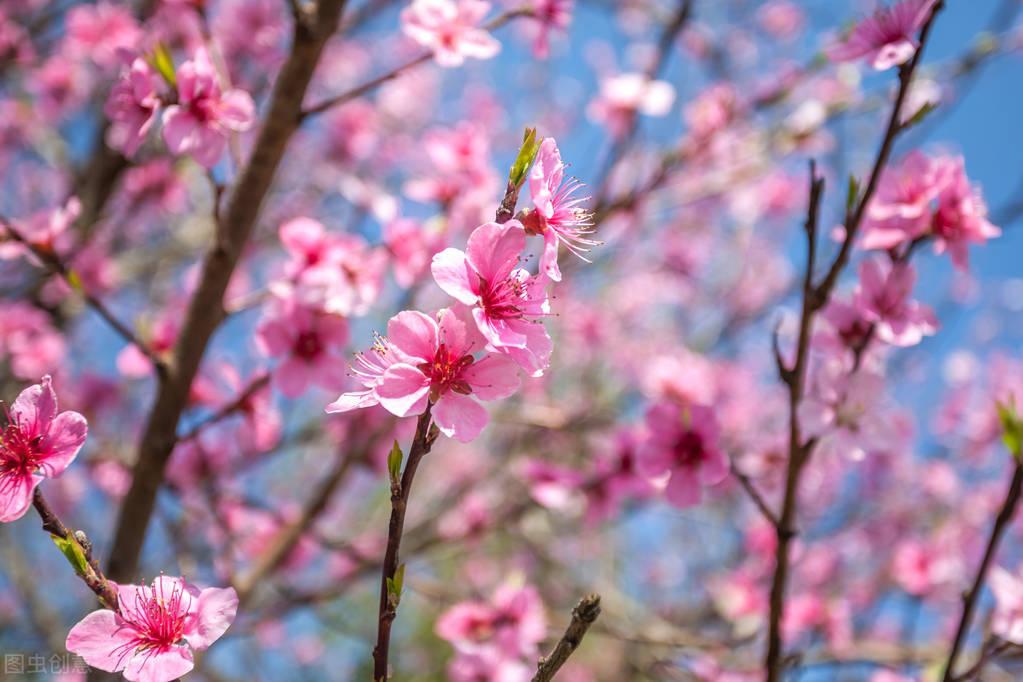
(815, 298)
(583, 616)
(425, 436)
(971, 599)
(93, 576)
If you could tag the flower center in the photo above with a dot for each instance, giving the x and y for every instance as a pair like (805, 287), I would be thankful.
(308, 346)
(158, 617)
(19, 456)
(502, 300)
(689, 449)
(445, 372)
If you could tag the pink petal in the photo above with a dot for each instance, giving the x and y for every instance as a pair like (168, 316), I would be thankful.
(100, 638)
(414, 333)
(403, 390)
(293, 376)
(492, 378)
(35, 407)
(683, 489)
(61, 445)
(216, 611)
(453, 274)
(494, 249)
(16, 495)
(459, 417)
(165, 666)
(353, 401)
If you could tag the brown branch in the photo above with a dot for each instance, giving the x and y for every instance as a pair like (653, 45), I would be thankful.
(54, 263)
(425, 436)
(795, 378)
(205, 310)
(814, 298)
(972, 597)
(92, 576)
(369, 86)
(583, 616)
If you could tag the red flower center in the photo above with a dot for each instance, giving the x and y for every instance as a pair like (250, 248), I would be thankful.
(308, 346)
(445, 372)
(502, 300)
(689, 450)
(158, 617)
(19, 456)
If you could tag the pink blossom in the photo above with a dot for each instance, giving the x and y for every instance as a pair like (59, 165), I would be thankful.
(961, 217)
(712, 110)
(843, 410)
(37, 443)
(133, 363)
(552, 486)
(781, 18)
(508, 626)
(451, 29)
(682, 441)
(557, 215)
(551, 15)
(615, 478)
(28, 340)
(901, 209)
(919, 567)
(201, 121)
(435, 366)
(884, 297)
(412, 246)
(925, 197)
(886, 39)
(132, 107)
(101, 32)
(252, 30)
(508, 303)
(151, 636)
(1008, 591)
(339, 273)
(310, 342)
(622, 96)
(47, 230)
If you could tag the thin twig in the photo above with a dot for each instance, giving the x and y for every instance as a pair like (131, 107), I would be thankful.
(583, 616)
(754, 494)
(426, 434)
(1005, 514)
(52, 261)
(369, 86)
(92, 576)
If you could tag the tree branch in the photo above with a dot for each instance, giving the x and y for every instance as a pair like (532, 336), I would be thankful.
(205, 310)
(584, 615)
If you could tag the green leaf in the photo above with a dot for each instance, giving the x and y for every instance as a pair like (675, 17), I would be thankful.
(161, 60)
(852, 193)
(920, 115)
(395, 586)
(74, 281)
(73, 552)
(394, 458)
(1012, 427)
(527, 153)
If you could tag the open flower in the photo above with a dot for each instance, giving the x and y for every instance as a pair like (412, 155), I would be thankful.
(150, 638)
(884, 298)
(508, 303)
(557, 215)
(310, 341)
(682, 441)
(37, 443)
(201, 121)
(132, 107)
(451, 29)
(844, 411)
(887, 38)
(508, 626)
(1008, 591)
(438, 368)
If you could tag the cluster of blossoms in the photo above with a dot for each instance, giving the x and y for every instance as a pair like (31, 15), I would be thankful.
(475, 348)
(198, 117)
(150, 633)
(496, 639)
